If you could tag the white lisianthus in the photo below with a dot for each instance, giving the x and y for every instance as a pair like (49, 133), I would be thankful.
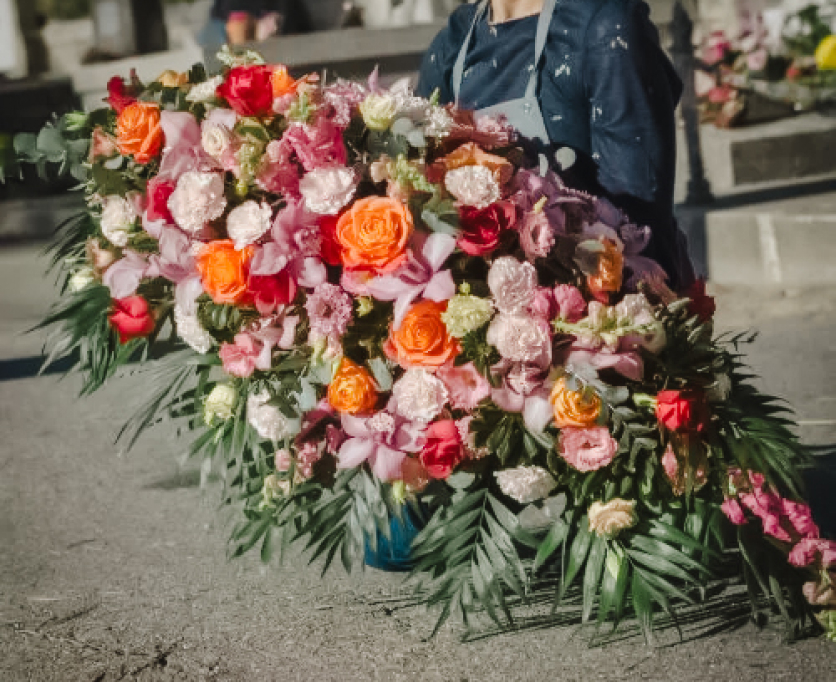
(197, 199)
(118, 219)
(327, 190)
(220, 403)
(525, 484)
(466, 313)
(246, 223)
(205, 91)
(268, 420)
(379, 111)
(473, 186)
(420, 395)
(215, 140)
(191, 331)
(512, 284)
(81, 279)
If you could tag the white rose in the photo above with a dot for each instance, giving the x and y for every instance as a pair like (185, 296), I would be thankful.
(473, 186)
(204, 92)
(191, 331)
(378, 111)
(268, 420)
(525, 484)
(215, 140)
(248, 222)
(220, 403)
(521, 339)
(118, 219)
(512, 284)
(420, 395)
(197, 199)
(327, 190)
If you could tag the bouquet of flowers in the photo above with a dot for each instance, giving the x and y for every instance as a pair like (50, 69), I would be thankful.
(382, 322)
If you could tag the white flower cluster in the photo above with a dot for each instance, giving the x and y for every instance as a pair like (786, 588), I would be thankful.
(268, 420)
(118, 219)
(525, 484)
(197, 199)
(420, 395)
(191, 331)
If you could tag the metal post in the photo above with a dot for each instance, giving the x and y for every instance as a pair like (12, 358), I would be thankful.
(682, 51)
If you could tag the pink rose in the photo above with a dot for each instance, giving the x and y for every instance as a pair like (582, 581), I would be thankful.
(466, 386)
(732, 509)
(159, 191)
(442, 449)
(587, 449)
(570, 302)
(537, 236)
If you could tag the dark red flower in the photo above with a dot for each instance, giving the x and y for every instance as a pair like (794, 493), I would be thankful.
(132, 318)
(702, 305)
(330, 249)
(248, 90)
(158, 192)
(682, 410)
(443, 449)
(119, 95)
(271, 291)
(482, 228)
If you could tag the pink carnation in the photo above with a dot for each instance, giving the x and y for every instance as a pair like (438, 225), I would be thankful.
(242, 358)
(329, 310)
(466, 386)
(570, 302)
(587, 449)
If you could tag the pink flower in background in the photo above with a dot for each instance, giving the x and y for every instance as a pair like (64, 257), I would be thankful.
(587, 449)
(124, 276)
(732, 509)
(800, 517)
(716, 48)
(329, 310)
(466, 386)
(570, 302)
(383, 440)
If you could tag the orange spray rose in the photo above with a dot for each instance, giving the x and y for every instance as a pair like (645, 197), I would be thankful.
(574, 408)
(352, 389)
(373, 234)
(610, 268)
(422, 339)
(224, 271)
(138, 131)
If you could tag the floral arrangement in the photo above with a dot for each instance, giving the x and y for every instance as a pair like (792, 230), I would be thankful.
(379, 316)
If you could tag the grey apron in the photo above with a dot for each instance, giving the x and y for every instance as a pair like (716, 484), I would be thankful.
(523, 113)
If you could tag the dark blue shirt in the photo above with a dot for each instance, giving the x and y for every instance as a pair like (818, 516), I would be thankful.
(606, 89)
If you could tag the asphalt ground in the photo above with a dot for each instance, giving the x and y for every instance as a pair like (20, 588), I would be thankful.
(113, 563)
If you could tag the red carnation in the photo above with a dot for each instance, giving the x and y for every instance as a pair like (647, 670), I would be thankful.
(248, 90)
(482, 228)
(682, 410)
(443, 449)
(158, 193)
(119, 96)
(702, 305)
(271, 291)
(132, 318)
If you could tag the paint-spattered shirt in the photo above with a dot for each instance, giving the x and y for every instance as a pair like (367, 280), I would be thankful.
(606, 89)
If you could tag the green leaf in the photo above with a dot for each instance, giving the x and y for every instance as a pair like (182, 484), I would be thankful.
(592, 576)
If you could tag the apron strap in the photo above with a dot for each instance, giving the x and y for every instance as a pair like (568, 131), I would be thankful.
(458, 67)
(543, 24)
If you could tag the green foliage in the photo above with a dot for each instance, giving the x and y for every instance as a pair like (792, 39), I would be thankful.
(476, 349)
(54, 145)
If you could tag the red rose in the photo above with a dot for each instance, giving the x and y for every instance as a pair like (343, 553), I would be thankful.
(330, 249)
(270, 291)
(701, 305)
(443, 450)
(681, 410)
(481, 228)
(248, 90)
(119, 96)
(132, 318)
(158, 192)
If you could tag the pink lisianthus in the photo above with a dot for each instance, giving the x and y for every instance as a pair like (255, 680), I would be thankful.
(570, 302)
(316, 145)
(466, 386)
(124, 276)
(524, 389)
(537, 236)
(587, 449)
(279, 174)
(733, 511)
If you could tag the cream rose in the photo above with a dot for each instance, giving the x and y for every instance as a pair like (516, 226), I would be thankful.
(609, 519)
(215, 140)
(378, 111)
(220, 403)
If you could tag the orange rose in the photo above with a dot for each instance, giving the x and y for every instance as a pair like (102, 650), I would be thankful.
(352, 389)
(422, 340)
(574, 408)
(471, 154)
(373, 234)
(223, 271)
(138, 131)
(610, 268)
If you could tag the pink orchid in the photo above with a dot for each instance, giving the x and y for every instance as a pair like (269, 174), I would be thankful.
(383, 440)
(176, 263)
(183, 150)
(628, 364)
(124, 276)
(733, 511)
(253, 350)
(524, 389)
(800, 517)
(420, 275)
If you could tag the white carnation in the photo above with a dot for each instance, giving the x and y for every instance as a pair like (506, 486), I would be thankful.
(327, 190)
(512, 284)
(268, 420)
(204, 92)
(118, 219)
(420, 395)
(197, 199)
(246, 223)
(191, 331)
(473, 186)
(521, 339)
(525, 484)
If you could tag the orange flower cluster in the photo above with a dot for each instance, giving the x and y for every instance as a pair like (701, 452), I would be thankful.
(422, 339)
(138, 131)
(353, 389)
(579, 409)
(224, 271)
(374, 233)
